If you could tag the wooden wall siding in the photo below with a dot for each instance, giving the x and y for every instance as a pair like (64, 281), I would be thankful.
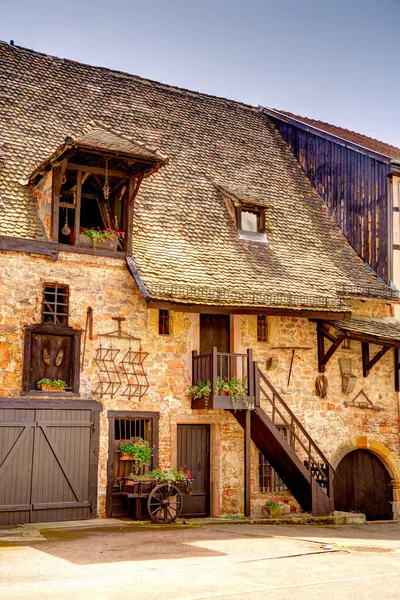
(354, 187)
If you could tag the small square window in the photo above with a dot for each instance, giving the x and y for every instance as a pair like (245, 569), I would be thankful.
(55, 304)
(163, 322)
(262, 328)
(250, 221)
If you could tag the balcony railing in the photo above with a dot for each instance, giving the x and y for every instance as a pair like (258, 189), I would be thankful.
(226, 365)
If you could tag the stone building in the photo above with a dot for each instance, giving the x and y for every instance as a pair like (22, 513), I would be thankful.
(152, 237)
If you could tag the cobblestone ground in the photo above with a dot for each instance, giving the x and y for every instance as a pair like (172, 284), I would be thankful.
(216, 561)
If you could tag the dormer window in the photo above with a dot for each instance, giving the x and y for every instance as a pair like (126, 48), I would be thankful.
(93, 181)
(249, 211)
(251, 223)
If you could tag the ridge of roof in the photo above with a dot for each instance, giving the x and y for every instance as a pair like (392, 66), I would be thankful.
(127, 75)
(360, 139)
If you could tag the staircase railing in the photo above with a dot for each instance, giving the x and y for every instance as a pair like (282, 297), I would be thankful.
(313, 458)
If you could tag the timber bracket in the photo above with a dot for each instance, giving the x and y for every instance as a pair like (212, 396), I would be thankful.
(322, 334)
(368, 363)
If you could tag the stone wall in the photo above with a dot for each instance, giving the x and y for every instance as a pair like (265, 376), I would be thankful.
(106, 286)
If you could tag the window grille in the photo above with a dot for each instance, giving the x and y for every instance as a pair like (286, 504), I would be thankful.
(55, 304)
(125, 429)
(269, 480)
(164, 322)
(262, 328)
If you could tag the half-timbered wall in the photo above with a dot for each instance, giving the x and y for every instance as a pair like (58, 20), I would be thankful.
(353, 185)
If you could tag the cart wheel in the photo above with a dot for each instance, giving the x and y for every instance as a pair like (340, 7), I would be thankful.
(164, 504)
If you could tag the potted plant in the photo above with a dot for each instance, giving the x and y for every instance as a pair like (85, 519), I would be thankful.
(275, 508)
(107, 239)
(202, 390)
(51, 385)
(139, 452)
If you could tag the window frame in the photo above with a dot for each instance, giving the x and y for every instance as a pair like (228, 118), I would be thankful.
(164, 320)
(47, 329)
(262, 328)
(63, 316)
(58, 173)
(257, 210)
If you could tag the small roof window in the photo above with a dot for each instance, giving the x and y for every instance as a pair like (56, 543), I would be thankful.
(249, 221)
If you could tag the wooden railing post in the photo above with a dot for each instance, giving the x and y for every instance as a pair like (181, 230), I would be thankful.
(247, 450)
(256, 372)
(214, 370)
(250, 373)
(194, 367)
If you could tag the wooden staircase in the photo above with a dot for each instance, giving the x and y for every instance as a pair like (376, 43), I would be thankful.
(298, 461)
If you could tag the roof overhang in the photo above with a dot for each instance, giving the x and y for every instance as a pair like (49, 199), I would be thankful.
(321, 133)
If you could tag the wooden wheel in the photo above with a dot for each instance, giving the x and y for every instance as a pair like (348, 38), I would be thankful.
(164, 504)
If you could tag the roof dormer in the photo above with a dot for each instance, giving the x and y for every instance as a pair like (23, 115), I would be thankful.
(86, 188)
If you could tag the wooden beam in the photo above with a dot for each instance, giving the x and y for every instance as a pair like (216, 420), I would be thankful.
(133, 271)
(396, 369)
(365, 357)
(97, 170)
(323, 357)
(367, 366)
(56, 189)
(247, 450)
(245, 310)
(16, 244)
(78, 208)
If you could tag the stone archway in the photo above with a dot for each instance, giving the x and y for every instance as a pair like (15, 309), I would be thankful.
(390, 460)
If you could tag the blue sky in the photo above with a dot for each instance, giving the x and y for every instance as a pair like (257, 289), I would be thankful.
(330, 60)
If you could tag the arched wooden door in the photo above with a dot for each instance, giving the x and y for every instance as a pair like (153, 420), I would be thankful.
(363, 485)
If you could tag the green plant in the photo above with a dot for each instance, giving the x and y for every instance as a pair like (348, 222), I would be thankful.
(273, 504)
(168, 475)
(102, 235)
(57, 384)
(140, 452)
(203, 389)
(235, 388)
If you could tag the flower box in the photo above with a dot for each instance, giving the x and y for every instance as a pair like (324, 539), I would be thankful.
(50, 388)
(125, 456)
(87, 242)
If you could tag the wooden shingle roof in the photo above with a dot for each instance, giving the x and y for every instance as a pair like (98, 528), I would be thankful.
(184, 234)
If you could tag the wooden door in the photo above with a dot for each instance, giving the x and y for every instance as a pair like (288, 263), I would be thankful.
(50, 358)
(214, 331)
(363, 485)
(48, 465)
(194, 452)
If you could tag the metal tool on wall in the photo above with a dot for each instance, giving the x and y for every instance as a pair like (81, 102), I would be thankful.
(130, 368)
(291, 352)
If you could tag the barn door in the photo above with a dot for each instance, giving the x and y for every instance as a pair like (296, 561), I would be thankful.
(363, 485)
(47, 465)
(17, 428)
(194, 451)
(60, 483)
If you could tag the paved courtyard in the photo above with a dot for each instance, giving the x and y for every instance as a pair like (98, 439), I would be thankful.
(214, 561)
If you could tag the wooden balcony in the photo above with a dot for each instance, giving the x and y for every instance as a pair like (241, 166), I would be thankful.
(223, 365)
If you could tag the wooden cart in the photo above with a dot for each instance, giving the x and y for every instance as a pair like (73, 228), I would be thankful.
(164, 500)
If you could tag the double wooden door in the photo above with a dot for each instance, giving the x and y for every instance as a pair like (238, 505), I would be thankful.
(48, 464)
(363, 485)
(194, 452)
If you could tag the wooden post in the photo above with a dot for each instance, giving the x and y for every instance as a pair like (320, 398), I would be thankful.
(214, 374)
(247, 431)
(78, 208)
(396, 369)
(321, 346)
(194, 368)
(365, 357)
(250, 373)
(257, 401)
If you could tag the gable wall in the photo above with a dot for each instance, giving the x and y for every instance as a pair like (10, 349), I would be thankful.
(354, 187)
